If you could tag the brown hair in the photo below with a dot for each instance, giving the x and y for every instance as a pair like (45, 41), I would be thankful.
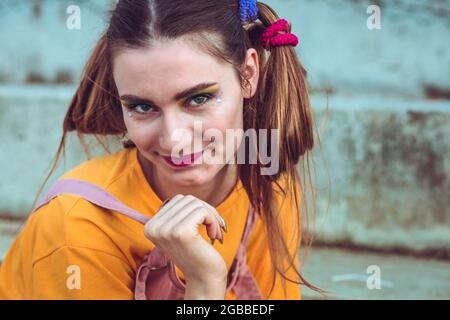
(282, 98)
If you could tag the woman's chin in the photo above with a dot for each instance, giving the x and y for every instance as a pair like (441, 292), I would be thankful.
(194, 176)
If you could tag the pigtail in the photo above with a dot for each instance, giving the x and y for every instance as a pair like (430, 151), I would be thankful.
(284, 96)
(94, 109)
(282, 102)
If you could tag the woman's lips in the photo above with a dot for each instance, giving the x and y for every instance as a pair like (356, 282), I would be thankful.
(187, 160)
(183, 161)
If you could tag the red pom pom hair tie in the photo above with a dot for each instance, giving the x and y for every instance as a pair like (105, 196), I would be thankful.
(271, 37)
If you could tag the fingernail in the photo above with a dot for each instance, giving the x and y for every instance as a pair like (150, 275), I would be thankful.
(221, 238)
(224, 225)
(212, 241)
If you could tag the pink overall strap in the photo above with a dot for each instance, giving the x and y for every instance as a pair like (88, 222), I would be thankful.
(94, 194)
(157, 280)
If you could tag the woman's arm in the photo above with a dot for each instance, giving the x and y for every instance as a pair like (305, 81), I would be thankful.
(82, 273)
(205, 289)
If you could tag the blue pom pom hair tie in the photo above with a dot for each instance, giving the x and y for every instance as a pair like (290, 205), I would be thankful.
(248, 11)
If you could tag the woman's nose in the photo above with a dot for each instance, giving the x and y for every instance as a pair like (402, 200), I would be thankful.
(174, 131)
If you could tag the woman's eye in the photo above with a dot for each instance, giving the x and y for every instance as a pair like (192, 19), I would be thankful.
(194, 102)
(141, 108)
(200, 100)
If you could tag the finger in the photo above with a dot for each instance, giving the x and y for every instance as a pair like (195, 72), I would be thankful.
(168, 221)
(217, 214)
(203, 216)
(168, 204)
(218, 233)
(165, 208)
(220, 220)
(180, 209)
(178, 201)
(173, 218)
(213, 230)
(164, 203)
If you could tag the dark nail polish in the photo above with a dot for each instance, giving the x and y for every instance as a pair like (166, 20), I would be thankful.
(223, 225)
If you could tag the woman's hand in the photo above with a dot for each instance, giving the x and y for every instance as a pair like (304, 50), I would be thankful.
(174, 230)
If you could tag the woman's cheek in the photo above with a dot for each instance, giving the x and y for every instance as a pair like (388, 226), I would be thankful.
(142, 136)
(231, 136)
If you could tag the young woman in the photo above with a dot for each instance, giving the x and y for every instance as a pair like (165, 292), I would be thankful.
(173, 66)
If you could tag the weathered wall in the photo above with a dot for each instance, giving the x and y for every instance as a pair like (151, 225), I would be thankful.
(388, 164)
(407, 55)
(30, 130)
(385, 145)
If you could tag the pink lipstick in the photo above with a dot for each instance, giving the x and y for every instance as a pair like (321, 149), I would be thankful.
(183, 161)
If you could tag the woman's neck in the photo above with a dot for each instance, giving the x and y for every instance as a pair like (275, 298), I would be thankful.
(214, 192)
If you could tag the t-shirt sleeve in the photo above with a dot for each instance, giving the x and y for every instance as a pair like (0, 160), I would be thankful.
(73, 273)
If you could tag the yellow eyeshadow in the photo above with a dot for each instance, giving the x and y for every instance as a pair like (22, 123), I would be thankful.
(209, 90)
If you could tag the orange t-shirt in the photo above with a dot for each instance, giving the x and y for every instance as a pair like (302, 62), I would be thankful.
(70, 236)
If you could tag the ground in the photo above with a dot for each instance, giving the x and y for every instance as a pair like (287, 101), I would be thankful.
(344, 274)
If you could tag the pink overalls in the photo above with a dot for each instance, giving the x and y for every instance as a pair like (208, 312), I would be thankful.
(156, 278)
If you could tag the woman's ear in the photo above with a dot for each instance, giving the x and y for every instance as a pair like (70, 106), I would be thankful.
(251, 73)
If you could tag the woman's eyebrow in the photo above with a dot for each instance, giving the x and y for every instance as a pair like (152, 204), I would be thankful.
(129, 98)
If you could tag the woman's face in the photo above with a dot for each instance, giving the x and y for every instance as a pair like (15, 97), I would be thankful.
(166, 125)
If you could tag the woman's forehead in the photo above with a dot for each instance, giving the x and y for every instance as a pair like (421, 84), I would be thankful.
(168, 67)
(166, 58)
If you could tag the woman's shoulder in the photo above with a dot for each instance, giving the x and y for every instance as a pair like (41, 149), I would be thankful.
(71, 220)
(104, 169)
(103, 172)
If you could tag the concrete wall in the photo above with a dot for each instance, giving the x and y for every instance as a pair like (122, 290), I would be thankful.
(407, 55)
(40, 47)
(385, 145)
(30, 130)
(388, 164)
